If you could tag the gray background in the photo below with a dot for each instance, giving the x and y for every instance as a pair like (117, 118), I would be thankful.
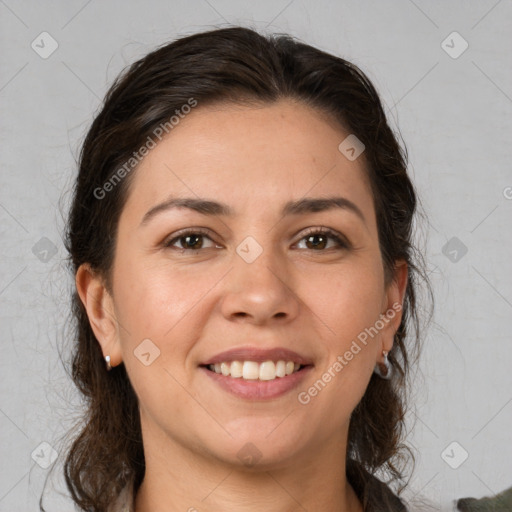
(454, 112)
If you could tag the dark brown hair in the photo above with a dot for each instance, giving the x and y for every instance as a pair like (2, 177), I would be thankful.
(229, 65)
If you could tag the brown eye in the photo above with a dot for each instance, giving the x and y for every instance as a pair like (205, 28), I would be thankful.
(191, 240)
(318, 240)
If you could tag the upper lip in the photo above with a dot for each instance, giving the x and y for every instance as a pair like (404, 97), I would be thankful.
(258, 355)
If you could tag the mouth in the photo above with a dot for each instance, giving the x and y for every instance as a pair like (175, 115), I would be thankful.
(252, 370)
(257, 374)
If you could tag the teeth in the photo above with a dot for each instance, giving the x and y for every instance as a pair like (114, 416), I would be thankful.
(267, 370)
(237, 369)
(224, 369)
(250, 370)
(280, 369)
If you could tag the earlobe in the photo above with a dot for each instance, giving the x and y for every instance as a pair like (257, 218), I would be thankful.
(98, 304)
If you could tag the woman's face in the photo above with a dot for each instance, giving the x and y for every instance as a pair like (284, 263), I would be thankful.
(250, 274)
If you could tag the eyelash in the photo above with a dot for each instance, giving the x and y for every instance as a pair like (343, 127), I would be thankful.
(340, 240)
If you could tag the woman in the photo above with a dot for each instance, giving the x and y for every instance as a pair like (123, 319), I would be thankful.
(240, 236)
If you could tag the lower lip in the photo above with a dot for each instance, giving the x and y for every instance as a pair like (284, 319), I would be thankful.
(258, 389)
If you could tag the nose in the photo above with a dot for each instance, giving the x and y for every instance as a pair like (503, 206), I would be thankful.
(260, 292)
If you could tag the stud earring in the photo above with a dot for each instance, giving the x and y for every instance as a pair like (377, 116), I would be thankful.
(107, 360)
(384, 369)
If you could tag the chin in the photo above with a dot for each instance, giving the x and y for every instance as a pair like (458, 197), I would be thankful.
(259, 445)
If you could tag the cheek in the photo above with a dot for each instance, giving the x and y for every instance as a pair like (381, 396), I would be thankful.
(148, 298)
(165, 305)
(347, 303)
(154, 309)
(348, 300)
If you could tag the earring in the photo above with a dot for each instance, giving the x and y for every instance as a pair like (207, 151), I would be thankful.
(384, 369)
(107, 359)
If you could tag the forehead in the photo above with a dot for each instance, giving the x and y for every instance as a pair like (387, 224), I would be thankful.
(250, 156)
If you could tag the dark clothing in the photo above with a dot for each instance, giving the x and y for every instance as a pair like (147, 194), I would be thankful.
(502, 502)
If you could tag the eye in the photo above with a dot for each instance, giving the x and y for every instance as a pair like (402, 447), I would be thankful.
(317, 239)
(190, 240)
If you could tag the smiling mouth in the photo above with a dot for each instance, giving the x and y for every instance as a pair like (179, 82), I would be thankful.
(252, 370)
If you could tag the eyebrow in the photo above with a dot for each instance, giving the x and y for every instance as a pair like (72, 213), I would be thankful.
(214, 208)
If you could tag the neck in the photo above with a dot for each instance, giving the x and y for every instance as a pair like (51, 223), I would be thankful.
(178, 479)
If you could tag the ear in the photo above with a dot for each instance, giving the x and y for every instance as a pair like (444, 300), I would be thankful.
(393, 304)
(100, 310)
